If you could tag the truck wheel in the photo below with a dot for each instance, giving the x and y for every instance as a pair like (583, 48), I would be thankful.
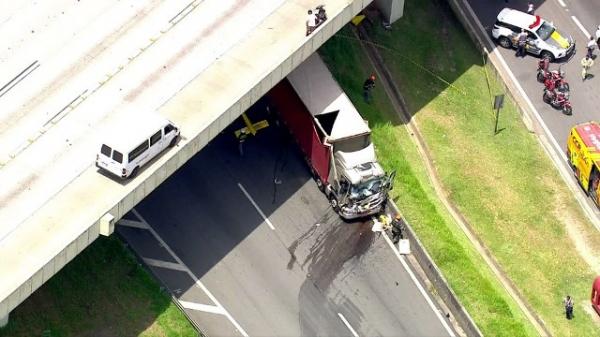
(320, 184)
(334, 203)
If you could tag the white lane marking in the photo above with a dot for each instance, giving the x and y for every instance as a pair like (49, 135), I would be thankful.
(256, 206)
(421, 289)
(132, 223)
(202, 307)
(585, 32)
(562, 3)
(348, 325)
(164, 264)
(189, 272)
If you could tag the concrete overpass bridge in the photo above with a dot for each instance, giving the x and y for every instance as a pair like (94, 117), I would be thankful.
(70, 69)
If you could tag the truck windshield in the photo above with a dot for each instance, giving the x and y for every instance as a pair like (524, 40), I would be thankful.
(366, 188)
(545, 31)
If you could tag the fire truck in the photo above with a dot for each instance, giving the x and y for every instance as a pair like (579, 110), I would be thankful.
(583, 155)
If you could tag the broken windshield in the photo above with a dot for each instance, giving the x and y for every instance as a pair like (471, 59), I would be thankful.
(366, 188)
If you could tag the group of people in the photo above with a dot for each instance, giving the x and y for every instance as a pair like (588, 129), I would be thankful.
(315, 18)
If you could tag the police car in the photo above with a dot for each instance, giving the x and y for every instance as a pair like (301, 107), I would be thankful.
(543, 38)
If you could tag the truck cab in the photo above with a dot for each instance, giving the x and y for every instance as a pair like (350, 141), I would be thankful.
(335, 139)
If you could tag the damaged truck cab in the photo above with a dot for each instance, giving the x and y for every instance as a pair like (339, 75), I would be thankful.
(334, 139)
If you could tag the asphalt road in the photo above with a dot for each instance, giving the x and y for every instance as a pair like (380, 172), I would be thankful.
(584, 95)
(302, 277)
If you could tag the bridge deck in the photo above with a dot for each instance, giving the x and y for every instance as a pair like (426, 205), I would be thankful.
(72, 71)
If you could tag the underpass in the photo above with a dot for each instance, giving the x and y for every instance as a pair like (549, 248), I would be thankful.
(251, 240)
(196, 69)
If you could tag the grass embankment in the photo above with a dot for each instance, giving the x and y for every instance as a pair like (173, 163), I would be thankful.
(503, 184)
(102, 292)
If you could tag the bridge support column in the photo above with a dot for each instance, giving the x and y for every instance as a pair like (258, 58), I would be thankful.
(391, 10)
(3, 321)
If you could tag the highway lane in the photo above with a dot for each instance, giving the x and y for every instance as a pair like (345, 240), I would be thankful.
(584, 95)
(308, 274)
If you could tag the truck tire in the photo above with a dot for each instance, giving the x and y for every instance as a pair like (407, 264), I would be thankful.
(334, 203)
(320, 184)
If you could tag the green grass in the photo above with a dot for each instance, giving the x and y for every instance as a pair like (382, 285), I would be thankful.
(102, 292)
(504, 185)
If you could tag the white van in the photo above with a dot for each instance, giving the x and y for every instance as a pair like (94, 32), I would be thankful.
(127, 150)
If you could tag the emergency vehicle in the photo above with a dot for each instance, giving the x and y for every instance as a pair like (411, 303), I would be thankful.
(583, 155)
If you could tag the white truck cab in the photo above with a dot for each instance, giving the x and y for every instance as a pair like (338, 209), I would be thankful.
(134, 142)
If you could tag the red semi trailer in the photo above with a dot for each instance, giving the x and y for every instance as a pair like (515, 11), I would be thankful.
(334, 138)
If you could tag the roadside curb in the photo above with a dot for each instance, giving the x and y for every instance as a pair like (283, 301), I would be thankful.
(427, 264)
(529, 115)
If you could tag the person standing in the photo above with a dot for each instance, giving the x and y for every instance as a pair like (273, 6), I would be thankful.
(521, 42)
(591, 46)
(397, 228)
(586, 64)
(568, 302)
(368, 85)
(311, 22)
(530, 8)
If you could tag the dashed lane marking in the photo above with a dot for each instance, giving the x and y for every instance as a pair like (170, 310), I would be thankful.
(192, 275)
(256, 206)
(576, 20)
(562, 3)
(348, 325)
(164, 264)
(202, 307)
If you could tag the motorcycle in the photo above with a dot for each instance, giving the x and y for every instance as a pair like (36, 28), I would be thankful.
(558, 100)
(553, 79)
(320, 14)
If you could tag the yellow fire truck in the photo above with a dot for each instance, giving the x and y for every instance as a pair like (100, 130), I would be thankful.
(583, 154)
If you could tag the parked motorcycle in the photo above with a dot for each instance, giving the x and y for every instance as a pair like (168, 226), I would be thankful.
(320, 14)
(558, 100)
(556, 78)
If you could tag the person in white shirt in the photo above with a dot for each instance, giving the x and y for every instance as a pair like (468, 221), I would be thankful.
(530, 8)
(311, 22)
(590, 47)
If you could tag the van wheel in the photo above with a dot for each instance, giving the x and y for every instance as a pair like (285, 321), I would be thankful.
(134, 172)
(320, 184)
(173, 142)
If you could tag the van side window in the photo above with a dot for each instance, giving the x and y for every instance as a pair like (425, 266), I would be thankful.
(117, 156)
(155, 138)
(138, 151)
(169, 128)
(105, 150)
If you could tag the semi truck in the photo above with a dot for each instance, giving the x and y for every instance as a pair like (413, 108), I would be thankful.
(583, 155)
(334, 138)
